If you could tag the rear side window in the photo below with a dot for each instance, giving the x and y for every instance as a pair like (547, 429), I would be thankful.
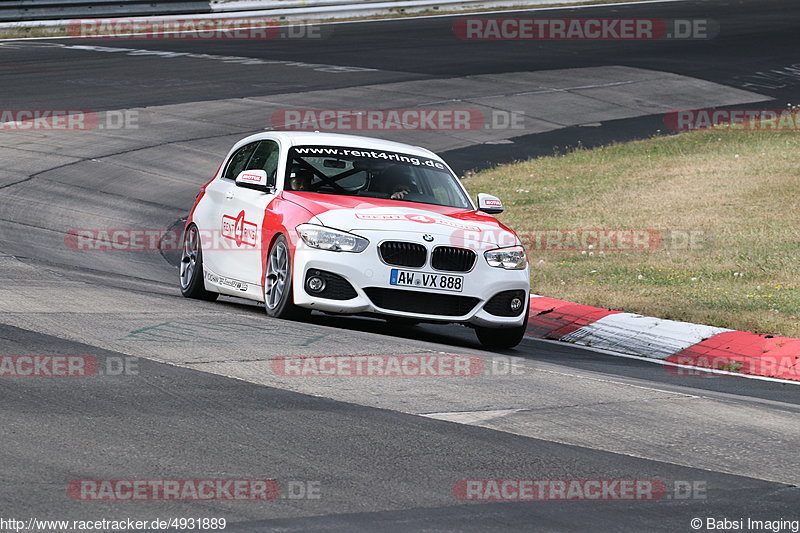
(239, 161)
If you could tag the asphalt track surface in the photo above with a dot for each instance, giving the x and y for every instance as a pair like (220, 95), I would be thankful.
(203, 402)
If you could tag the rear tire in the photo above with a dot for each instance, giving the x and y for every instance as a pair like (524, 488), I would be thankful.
(192, 276)
(278, 287)
(502, 337)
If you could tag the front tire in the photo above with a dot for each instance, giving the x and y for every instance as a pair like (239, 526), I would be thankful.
(191, 268)
(499, 338)
(278, 288)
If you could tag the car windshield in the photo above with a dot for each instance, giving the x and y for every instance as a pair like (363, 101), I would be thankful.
(373, 173)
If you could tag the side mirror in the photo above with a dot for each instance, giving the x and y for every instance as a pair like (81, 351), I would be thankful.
(489, 204)
(254, 179)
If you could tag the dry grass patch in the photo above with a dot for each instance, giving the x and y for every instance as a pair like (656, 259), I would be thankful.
(738, 193)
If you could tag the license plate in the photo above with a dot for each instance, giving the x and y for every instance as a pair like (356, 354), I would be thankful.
(426, 280)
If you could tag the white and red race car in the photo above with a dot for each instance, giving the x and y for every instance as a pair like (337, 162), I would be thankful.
(354, 225)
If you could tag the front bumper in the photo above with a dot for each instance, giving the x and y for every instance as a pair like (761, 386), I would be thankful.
(369, 276)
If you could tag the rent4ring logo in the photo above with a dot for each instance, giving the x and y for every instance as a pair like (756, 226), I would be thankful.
(66, 120)
(239, 230)
(556, 29)
(421, 219)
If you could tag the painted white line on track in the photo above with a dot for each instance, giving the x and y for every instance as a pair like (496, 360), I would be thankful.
(165, 54)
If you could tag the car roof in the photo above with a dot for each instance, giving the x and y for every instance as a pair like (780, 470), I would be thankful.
(299, 138)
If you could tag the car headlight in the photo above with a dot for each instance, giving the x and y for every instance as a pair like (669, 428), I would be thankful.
(512, 258)
(331, 239)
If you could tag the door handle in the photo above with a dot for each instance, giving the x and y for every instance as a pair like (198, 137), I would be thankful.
(229, 195)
